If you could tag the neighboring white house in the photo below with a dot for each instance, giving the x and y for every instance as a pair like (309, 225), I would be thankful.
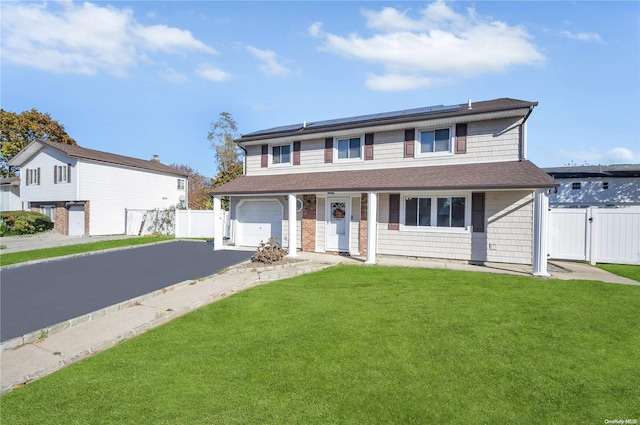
(596, 186)
(86, 192)
(10, 194)
(444, 181)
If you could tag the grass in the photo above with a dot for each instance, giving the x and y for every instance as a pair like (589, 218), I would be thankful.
(367, 345)
(625, 270)
(40, 254)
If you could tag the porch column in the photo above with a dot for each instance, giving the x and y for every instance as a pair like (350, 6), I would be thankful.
(217, 223)
(293, 237)
(372, 226)
(540, 214)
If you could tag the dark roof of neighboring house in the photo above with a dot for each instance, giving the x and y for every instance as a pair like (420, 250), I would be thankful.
(408, 115)
(110, 158)
(619, 170)
(15, 181)
(483, 176)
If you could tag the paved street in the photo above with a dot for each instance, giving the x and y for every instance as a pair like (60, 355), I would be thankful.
(40, 295)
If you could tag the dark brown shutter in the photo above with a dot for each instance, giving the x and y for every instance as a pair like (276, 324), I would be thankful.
(296, 153)
(328, 149)
(28, 175)
(477, 212)
(264, 160)
(409, 143)
(55, 174)
(368, 146)
(38, 178)
(68, 173)
(461, 138)
(394, 211)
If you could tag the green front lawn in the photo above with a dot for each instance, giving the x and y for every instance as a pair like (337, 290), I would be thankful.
(625, 270)
(367, 345)
(40, 254)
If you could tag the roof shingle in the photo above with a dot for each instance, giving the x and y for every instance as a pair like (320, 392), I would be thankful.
(483, 176)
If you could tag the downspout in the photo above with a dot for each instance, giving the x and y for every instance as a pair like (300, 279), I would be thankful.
(523, 135)
(244, 160)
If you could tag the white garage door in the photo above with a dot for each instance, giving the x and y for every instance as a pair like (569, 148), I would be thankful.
(259, 220)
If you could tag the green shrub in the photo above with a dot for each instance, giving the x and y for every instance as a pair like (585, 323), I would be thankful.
(24, 223)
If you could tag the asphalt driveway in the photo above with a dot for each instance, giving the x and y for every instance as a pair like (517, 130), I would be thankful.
(35, 296)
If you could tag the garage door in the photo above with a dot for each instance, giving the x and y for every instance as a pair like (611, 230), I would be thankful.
(259, 220)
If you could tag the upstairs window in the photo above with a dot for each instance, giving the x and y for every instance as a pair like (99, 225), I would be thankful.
(180, 184)
(60, 174)
(433, 141)
(33, 176)
(350, 148)
(281, 154)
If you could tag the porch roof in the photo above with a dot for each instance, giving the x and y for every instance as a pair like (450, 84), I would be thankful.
(483, 176)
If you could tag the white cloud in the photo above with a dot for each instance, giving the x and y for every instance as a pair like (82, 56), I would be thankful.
(438, 46)
(618, 155)
(173, 76)
(85, 38)
(212, 73)
(270, 65)
(582, 36)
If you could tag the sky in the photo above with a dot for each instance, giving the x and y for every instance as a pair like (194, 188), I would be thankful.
(148, 78)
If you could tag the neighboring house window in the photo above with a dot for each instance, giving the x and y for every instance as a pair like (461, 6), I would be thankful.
(575, 185)
(180, 184)
(33, 176)
(350, 148)
(433, 141)
(435, 211)
(49, 211)
(281, 154)
(60, 174)
(605, 185)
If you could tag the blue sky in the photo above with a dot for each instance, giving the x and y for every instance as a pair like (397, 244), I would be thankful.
(148, 77)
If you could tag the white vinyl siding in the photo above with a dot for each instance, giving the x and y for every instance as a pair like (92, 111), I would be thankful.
(111, 189)
(49, 161)
(487, 141)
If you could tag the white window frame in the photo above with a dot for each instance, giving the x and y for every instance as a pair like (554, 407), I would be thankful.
(336, 140)
(62, 174)
(280, 164)
(32, 177)
(181, 184)
(51, 208)
(434, 228)
(418, 148)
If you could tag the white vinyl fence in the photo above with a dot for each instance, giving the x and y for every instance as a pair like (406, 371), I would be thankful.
(186, 224)
(597, 235)
(199, 224)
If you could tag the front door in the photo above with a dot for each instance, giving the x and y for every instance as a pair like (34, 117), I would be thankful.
(338, 224)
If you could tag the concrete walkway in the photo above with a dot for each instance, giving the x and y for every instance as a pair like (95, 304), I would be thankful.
(49, 240)
(32, 356)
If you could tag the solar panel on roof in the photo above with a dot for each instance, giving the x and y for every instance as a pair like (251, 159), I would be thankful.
(359, 119)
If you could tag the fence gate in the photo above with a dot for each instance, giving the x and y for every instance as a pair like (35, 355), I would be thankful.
(595, 234)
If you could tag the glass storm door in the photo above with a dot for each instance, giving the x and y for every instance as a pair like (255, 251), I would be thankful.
(338, 225)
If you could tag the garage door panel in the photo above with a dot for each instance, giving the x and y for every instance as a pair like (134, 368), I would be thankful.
(259, 220)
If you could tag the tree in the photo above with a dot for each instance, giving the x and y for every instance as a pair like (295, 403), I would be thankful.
(198, 187)
(18, 130)
(228, 154)
(221, 136)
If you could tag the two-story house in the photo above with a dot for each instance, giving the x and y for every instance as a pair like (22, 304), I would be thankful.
(448, 182)
(87, 192)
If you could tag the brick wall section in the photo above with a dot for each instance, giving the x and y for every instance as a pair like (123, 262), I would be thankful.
(62, 219)
(87, 215)
(363, 224)
(309, 223)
